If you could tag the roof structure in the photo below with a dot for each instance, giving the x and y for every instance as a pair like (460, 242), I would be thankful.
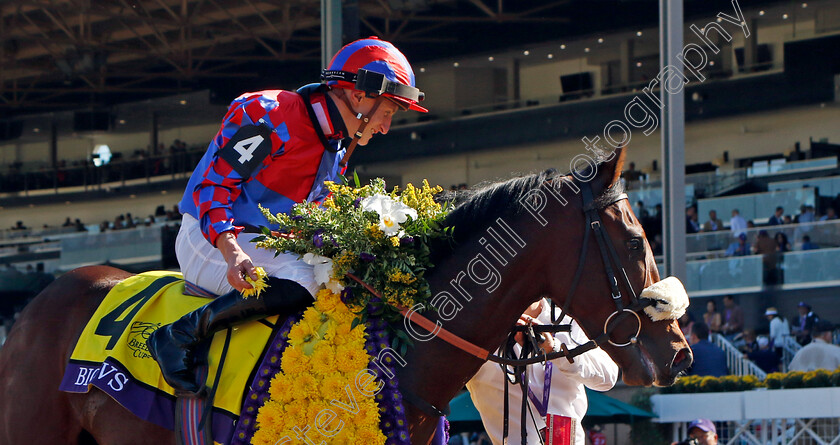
(69, 54)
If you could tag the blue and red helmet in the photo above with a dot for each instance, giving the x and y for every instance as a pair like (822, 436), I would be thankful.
(376, 67)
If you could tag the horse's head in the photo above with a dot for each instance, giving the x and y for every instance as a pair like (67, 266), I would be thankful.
(659, 352)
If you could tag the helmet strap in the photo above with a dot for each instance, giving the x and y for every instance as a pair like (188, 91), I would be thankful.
(364, 121)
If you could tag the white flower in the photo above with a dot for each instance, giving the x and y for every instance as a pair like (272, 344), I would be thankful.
(322, 268)
(391, 213)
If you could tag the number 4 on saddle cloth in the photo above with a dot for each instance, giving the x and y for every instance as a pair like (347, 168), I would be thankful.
(111, 355)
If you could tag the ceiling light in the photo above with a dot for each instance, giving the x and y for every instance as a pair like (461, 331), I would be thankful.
(761, 12)
(122, 121)
(550, 56)
(422, 69)
(490, 58)
(586, 50)
(600, 40)
(36, 130)
(719, 20)
(784, 16)
(562, 46)
(804, 5)
(456, 64)
(183, 102)
(526, 52)
(712, 62)
(638, 64)
(638, 33)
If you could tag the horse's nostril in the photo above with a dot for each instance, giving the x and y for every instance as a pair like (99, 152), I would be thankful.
(682, 360)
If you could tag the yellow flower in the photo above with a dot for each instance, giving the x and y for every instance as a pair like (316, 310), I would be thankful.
(301, 333)
(323, 359)
(258, 286)
(280, 389)
(332, 386)
(294, 361)
(395, 241)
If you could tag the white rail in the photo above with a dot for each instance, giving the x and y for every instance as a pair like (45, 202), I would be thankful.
(736, 361)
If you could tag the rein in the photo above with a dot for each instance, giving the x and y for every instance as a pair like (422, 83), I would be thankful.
(609, 255)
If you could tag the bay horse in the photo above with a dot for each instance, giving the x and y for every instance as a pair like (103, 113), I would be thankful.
(515, 242)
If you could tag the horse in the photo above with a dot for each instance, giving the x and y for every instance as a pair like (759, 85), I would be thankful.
(514, 242)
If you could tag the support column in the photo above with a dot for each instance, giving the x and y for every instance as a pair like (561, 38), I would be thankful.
(330, 30)
(673, 141)
(513, 81)
(153, 135)
(751, 48)
(625, 69)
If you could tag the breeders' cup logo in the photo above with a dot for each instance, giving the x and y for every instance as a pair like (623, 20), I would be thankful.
(137, 337)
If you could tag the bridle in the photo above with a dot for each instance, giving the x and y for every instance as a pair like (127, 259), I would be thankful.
(609, 256)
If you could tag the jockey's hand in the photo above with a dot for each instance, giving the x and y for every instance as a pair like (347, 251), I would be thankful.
(547, 344)
(238, 262)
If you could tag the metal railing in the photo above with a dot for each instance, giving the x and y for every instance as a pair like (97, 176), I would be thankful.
(736, 361)
(823, 233)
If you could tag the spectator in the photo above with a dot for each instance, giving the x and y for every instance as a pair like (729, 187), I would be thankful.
(713, 224)
(80, 227)
(632, 174)
(788, 219)
(740, 247)
(67, 223)
(712, 317)
(641, 211)
(819, 354)
(779, 330)
(703, 431)
(778, 218)
(19, 226)
(766, 247)
(708, 358)
(830, 214)
(806, 214)
(782, 244)
(751, 224)
(686, 322)
(807, 244)
(596, 437)
(763, 356)
(747, 343)
(737, 223)
(803, 324)
(733, 318)
(692, 222)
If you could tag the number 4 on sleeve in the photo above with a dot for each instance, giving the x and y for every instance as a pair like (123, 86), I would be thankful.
(247, 148)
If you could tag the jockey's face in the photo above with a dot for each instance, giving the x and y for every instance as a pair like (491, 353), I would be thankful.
(380, 122)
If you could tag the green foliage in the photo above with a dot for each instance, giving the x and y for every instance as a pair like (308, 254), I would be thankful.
(645, 431)
(820, 378)
(378, 236)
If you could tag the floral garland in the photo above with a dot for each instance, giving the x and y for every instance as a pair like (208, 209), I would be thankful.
(320, 365)
(381, 237)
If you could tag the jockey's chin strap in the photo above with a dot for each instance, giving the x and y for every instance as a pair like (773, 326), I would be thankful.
(364, 120)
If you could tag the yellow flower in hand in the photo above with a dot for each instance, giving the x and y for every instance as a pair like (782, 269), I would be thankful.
(258, 286)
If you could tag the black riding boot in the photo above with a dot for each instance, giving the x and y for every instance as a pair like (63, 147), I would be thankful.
(175, 346)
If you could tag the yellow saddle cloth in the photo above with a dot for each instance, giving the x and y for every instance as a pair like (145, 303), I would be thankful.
(111, 353)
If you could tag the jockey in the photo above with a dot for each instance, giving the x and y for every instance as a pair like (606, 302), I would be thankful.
(556, 393)
(275, 148)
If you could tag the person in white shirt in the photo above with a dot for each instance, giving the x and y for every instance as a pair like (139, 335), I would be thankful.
(820, 353)
(779, 330)
(566, 394)
(737, 223)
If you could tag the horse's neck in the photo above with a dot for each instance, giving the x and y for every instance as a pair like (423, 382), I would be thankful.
(490, 306)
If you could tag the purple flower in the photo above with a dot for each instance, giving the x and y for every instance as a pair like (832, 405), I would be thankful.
(318, 239)
(407, 241)
(346, 295)
(367, 257)
(296, 217)
(356, 202)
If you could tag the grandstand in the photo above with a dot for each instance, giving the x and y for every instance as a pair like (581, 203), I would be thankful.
(762, 132)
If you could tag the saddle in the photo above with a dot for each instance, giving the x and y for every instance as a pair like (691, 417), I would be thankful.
(111, 355)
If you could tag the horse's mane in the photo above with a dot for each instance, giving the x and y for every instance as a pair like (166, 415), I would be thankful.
(477, 208)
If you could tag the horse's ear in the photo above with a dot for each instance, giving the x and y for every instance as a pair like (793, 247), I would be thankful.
(610, 171)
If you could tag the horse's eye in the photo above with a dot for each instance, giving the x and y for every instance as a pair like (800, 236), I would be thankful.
(635, 244)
